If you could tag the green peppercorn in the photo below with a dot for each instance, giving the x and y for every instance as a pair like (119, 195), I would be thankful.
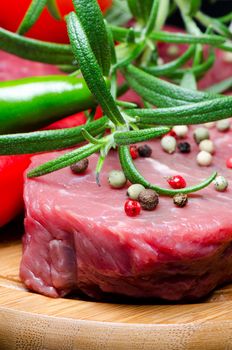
(134, 191)
(180, 200)
(148, 199)
(117, 179)
(80, 167)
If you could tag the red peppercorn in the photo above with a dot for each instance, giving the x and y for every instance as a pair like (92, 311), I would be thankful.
(132, 208)
(134, 152)
(229, 163)
(171, 133)
(176, 182)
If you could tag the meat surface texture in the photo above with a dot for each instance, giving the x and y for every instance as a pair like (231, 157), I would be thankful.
(78, 237)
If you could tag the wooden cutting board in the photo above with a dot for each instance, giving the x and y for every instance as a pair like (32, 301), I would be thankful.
(31, 321)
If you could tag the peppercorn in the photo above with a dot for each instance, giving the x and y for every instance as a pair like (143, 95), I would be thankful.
(145, 151)
(204, 158)
(171, 133)
(220, 183)
(173, 50)
(201, 134)
(229, 163)
(181, 130)
(80, 167)
(223, 125)
(148, 199)
(207, 145)
(117, 179)
(184, 147)
(176, 182)
(168, 144)
(132, 208)
(180, 200)
(227, 56)
(134, 191)
(134, 152)
(210, 125)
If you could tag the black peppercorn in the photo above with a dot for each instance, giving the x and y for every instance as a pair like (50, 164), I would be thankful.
(184, 147)
(180, 200)
(145, 151)
(80, 167)
(148, 199)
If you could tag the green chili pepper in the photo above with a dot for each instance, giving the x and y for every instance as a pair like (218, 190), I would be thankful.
(31, 103)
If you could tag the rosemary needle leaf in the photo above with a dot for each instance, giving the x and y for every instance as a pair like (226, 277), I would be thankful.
(34, 11)
(197, 70)
(54, 9)
(35, 50)
(48, 140)
(179, 38)
(195, 113)
(220, 87)
(88, 137)
(126, 104)
(159, 92)
(130, 137)
(152, 17)
(91, 70)
(134, 176)
(127, 53)
(91, 19)
(171, 67)
(64, 160)
(120, 34)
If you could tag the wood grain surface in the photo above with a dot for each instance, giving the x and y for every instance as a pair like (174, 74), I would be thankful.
(31, 321)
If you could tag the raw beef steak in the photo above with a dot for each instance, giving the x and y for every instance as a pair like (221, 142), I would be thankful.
(78, 237)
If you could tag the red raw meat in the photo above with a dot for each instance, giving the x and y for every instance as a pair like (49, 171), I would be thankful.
(78, 236)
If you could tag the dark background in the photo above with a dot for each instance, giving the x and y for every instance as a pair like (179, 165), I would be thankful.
(212, 7)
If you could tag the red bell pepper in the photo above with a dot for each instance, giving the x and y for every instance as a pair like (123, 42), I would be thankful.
(13, 167)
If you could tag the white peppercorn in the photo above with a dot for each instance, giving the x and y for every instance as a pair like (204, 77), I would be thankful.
(201, 134)
(204, 158)
(173, 50)
(117, 179)
(210, 125)
(223, 125)
(181, 130)
(207, 145)
(134, 191)
(227, 56)
(168, 144)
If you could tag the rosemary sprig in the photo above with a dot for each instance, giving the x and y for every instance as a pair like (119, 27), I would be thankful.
(64, 161)
(134, 176)
(130, 137)
(197, 113)
(33, 13)
(92, 49)
(90, 68)
(49, 140)
(35, 50)
(120, 34)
